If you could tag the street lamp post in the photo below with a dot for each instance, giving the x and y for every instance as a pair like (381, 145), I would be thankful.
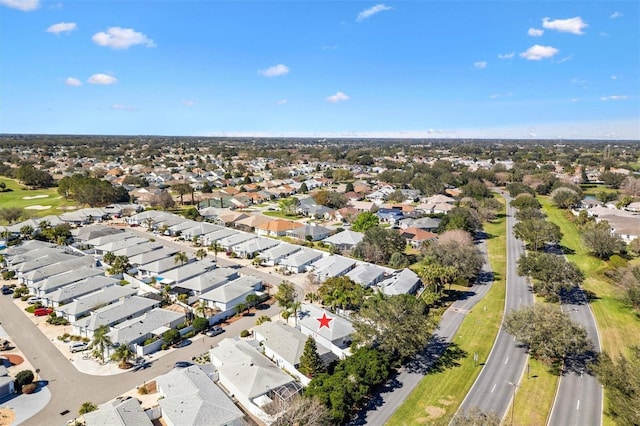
(513, 400)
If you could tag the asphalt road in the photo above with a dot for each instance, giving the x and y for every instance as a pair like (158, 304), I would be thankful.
(69, 387)
(496, 385)
(386, 402)
(579, 397)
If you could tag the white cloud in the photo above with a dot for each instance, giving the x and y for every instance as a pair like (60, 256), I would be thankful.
(614, 98)
(537, 52)
(62, 27)
(480, 64)
(188, 103)
(23, 5)
(570, 25)
(535, 32)
(275, 71)
(282, 102)
(102, 79)
(122, 107)
(614, 77)
(367, 13)
(575, 99)
(72, 81)
(121, 38)
(506, 55)
(338, 97)
(565, 59)
(616, 14)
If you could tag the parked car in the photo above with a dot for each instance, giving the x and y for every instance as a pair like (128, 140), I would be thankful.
(41, 312)
(182, 344)
(183, 364)
(33, 300)
(6, 290)
(5, 345)
(214, 331)
(78, 346)
(141, 366)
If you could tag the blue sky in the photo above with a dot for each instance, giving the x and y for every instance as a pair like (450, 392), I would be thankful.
(517, 69)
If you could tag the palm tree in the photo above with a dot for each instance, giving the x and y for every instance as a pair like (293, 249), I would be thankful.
(251, 300)
(123, 354)
(181, 258)
(216, 248)
(201, 254)
(100, 341)
(26, 231)
(108, 258)
(240, 307)
(149, 223)
(201, 309)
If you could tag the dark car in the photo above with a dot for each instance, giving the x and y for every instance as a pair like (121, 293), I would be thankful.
(185, 342)
(6, 290)
(141, 366)
(214, 331)
(183, 364)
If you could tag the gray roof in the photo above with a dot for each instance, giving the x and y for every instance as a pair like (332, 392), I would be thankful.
(280, 251)
(201, 228)
(43, 261)
(236, 238)
(183, 225)
(249, 371)
(188, 270)
(219, 234)
(132, 329)
(346, 237)
(120, 244)
(150, 256)
(116, 312)
(159, 266)
(422, 223)
(210, 280)
(314, 231)
(138, 249)
(232, 290)
(333, 266)
(192, 399)
(103, 296)
(404, 282)
(125, 413)
(287, 342)
(256, 245)
(80, 288)
(365, 274)
(28, 246)
(59, 268)
(301, 258)
(69, 277)
(339, 329)
(31, 254)
(99, 240)
(86, 233)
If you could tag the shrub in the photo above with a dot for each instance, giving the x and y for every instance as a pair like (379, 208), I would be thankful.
(190, 334)
(142, 390)
(244, 333)
(56, 320)
(164, 346)
(149, 341)
(7, 275)
(24, 377)
(30, 388)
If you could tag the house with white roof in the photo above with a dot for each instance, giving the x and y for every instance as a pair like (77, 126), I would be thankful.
(77, 289)
(402, 282)
(228, 243)
(366, 274)
(83, 305)
(226, 297)
(274, 255)
(345, 240)
(209, 280)
(337, 336)
(117, 412)
(138, 329)
(191, 398)
(250, 248)
(332, 266)
(36, 278)
(113, 314)
(212, 237)
(250, 377)
(184, 272)
(299, 262)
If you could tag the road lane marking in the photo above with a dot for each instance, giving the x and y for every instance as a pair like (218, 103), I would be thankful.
(578, 406)
(506, 361)
(493, 388)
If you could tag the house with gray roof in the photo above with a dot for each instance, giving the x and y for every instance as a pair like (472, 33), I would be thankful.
(366, 274)
(184, 272)
(138, 329)
(83, 305)
(113, 314)
(53, 283)
(119, 244)
(209, 280)
(29, 246)
(337, 336)
(227, 243)
(212, 237)
(402, 282)
(311, 232)
(99, 237)
(345, 240)
(41, 262)
(284, 345)
(199, 229)
(300, 261)
(156, 268)
(34, 279)
(131, 251)
(274, 255)
(226, 297)
(151, 256)
(332, 266)
(15, 260)
(86, 233)
(191, 398)
(66, 294)
(249, 376)
(250, 248)
(118, 412)
(181, 226)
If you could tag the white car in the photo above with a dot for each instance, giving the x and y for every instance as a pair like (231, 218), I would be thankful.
(33, 300)
(78, 346)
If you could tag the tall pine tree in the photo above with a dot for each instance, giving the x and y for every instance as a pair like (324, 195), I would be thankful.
(310, 362)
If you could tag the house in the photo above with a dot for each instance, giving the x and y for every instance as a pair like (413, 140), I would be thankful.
(250, 377)
(41, 262)
(332, 266)
(336, 337)
(77, 289)
(53, 283)
(113, 314)
(182, 226)
(403, 282)
(227, 296)
(275, 228)
(366, 274)
(184, 272)
(199, 229)
(300, 261)
(153, 323)
(118, 412)
(83, 305)
(363, 206)
(426, 223)
(309, 232)
(212, 237)
(274, 255)
(228, 243)
(391, 216)
(190, 398)
(249, 223)
(86, 233)
(151, 256)
(284, 346)
(35, 278)
(131, 251)
(416, 236)
(118, 244)
(250, 248)
(345, 240)
(208, 280)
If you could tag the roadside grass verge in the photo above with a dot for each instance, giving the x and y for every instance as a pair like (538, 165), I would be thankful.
(439, 394)
(44, 197)
(535, 396)
(617, 323)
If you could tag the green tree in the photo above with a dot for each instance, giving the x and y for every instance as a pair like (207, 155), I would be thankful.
(551, 273)
(303, 188)
(565, 198)
(286, 295)
(101, 341)
(536, 232)
(109, 258)
(119, 265)
(525, 201)
(529, 213)
(460, 218)
(349, 187)
(378, 244)
(87, 407)
(171, 336)
(464, 260)
(26, 231)
(365, 221)
(341, 292)
(201, 254)
(11, 214)
(33, 177)
(288, 205)
(199, 324)
(123, 354)
(182, 189)
(310, 362)
(24, 377)
(181, 258)
(397, 325)
(621, 379)
(599, 239)
(252, 300)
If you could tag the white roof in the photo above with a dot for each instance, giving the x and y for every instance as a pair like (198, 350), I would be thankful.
(346, 237)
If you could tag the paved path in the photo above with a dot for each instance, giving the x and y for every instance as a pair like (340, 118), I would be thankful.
(386, 402)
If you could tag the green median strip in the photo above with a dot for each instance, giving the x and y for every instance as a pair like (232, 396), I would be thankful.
(439, 394)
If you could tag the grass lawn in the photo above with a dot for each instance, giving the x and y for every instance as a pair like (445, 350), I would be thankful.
(439, 394)
(281, 215)
(535, 396)
(20, 197)
(617, 323)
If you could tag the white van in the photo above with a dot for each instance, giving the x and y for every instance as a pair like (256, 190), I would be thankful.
(78, 346)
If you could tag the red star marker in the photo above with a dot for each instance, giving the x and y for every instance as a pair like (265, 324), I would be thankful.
(324, 321)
